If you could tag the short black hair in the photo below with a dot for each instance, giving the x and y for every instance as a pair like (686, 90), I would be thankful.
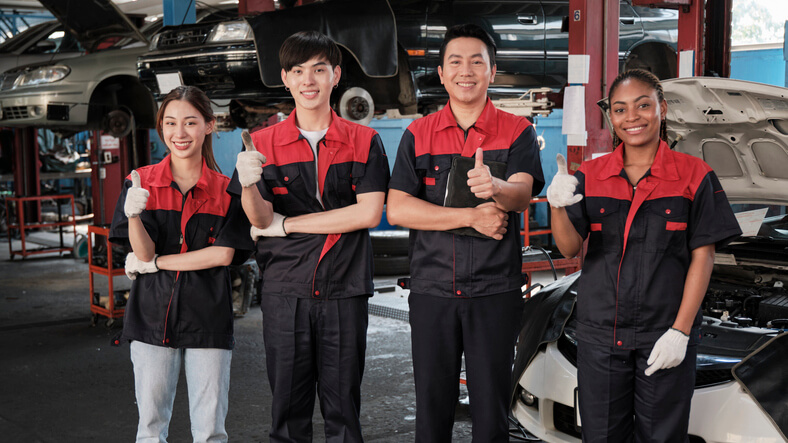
(472, 31)
(304, 45)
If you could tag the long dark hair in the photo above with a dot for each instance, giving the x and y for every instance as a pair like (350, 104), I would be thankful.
(197, 98)
(646, 78)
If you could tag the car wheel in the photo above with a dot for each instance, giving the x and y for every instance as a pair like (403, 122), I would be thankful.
(356, 105)
(118, 123)
(390, 242)
(391, 265)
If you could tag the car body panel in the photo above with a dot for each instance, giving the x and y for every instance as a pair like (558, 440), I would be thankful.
(739, 128)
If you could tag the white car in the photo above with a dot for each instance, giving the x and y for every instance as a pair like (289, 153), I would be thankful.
(741, 391)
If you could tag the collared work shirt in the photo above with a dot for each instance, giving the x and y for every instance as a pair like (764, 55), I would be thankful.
(446, 264)
(640, 241)
(186, 309)
(351, 161)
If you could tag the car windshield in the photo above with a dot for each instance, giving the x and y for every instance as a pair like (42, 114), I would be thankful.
(21, 38)
(761, 220)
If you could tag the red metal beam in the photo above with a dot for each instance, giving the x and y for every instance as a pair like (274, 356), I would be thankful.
(591, 33)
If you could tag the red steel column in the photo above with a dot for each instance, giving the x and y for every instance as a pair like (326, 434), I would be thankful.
(593, 30)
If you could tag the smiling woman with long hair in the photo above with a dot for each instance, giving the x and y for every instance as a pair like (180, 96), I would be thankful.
(183, 230)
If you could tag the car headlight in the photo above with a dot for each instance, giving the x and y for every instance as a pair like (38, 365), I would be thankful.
(45, 74)
(154, 42)
(230, 31)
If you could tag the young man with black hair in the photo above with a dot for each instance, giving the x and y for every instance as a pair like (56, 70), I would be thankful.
(465, 289)
(311, 189)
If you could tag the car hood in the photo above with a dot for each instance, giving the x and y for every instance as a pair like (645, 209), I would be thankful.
(92, 20)
(739, 128)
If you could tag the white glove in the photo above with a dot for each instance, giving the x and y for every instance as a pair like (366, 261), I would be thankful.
(249, 163)
(275, 229)
(668, 352)
(136, 197)
(135, 266)
(561, 191)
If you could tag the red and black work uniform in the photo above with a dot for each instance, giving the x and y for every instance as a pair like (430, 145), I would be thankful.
(316, 287)
(187, 309)
(640, 240)
(465, 290)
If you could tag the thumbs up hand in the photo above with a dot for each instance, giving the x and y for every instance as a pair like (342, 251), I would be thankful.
(136, 197)
(561, 192)
(479, 178)
(249, 163)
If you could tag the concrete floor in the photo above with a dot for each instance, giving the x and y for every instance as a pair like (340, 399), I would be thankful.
(62, 382)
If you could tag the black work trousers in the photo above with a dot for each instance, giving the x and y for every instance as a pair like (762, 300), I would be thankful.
(619, 403)
(315, 346)
(442, 329)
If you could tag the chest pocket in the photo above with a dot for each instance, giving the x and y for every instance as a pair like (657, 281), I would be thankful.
(667, 225)
(200, 236)
(287, 185)
(338, 190)
(435, 179)
(606, 229)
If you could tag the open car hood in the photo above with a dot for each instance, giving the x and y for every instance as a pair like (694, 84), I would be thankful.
(92, 21)
(739, 128)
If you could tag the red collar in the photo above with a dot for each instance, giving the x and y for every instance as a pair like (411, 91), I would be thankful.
(337, 130)
(486, 123)
(161, 176)
(664, 166)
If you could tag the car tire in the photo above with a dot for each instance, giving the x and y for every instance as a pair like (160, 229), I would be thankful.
(391, 264)
(356, 105)
(389, 242)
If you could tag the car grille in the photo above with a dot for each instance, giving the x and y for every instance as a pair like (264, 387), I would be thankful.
(711, 377)
(564, 419)
(182, 38)
(15, 112)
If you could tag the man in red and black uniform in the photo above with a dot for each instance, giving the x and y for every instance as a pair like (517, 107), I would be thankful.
(321, 187)
(465, 289)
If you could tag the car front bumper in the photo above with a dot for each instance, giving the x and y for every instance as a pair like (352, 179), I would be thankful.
(721, 413)
(55, 105)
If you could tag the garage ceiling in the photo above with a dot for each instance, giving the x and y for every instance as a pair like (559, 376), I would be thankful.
(147, 7)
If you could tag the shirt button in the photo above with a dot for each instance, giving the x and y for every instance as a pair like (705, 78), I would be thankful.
(620, 343)
(287, 179)
(459, 292)
(601, 210)
(167, 341)
(317, 292)
(667, 211)
(437, 167)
